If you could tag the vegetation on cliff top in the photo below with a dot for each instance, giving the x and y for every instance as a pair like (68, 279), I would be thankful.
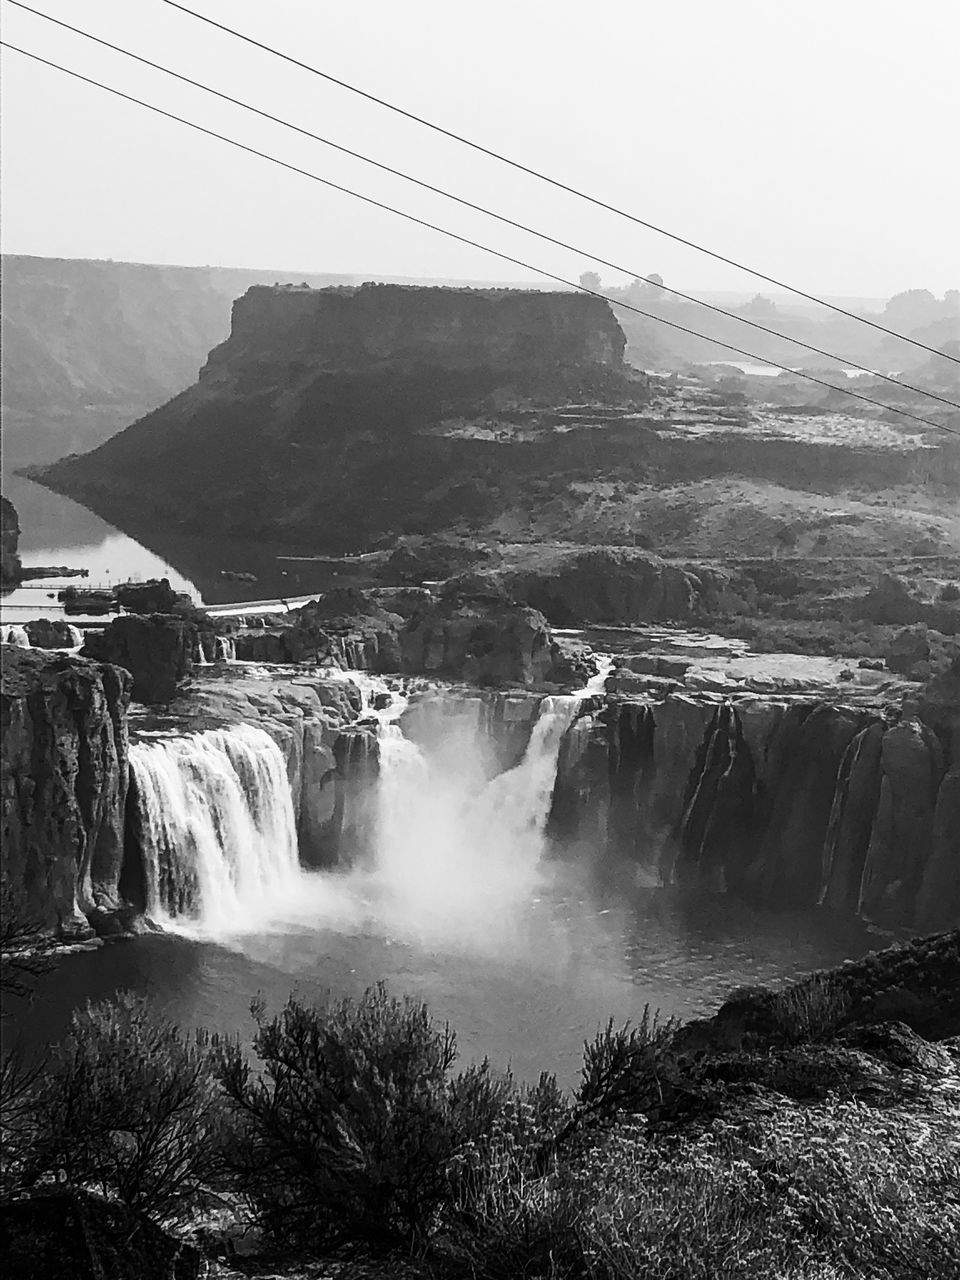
(809, 1132)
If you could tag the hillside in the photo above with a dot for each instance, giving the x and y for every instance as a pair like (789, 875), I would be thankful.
(90, 346)
(342, 419)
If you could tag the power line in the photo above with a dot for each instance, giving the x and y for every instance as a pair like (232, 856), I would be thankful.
(555, 182)
(474, 244)
(469, 204)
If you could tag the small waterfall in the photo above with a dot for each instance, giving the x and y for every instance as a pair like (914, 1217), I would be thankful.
(226, 649)
(219, 834)
(76, 636)
(16, 636)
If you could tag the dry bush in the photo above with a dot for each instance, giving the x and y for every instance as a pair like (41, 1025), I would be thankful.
(128, 1106)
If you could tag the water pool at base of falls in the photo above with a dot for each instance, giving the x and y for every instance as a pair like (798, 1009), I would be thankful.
(460, 904)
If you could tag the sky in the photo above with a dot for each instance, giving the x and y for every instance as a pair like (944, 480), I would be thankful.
(814, 141)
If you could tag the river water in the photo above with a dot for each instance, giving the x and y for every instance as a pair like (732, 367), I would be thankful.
(462, 903)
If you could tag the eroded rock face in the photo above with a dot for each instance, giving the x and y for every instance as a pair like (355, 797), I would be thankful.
(10, 566)
(331, 760)
(912, 768)
(354, 389)
(64, 785)
(51, 633)
(158, 651)
(606, 586)
(788, 804)
(482, 643)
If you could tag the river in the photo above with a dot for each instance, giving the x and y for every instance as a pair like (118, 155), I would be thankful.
(524, 969)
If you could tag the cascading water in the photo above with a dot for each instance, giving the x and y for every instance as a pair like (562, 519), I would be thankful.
(16, 636)
(219, 836)
(454, 851)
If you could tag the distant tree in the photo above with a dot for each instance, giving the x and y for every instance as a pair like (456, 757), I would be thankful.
(590, 280)
(952, 301)
(914, 307)
(760, 306)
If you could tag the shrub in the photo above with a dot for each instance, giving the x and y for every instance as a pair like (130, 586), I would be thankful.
(350, 1131)
(128, 1106)
(809, 1010)
(25, 957)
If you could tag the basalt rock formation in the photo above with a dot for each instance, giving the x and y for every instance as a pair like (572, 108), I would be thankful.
(463, 635)
(343, 415)
(787, 801)
(156, 649)
(64, 785)
(89, 346)
(10, 565)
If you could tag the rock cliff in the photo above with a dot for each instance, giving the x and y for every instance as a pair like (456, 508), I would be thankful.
(64, 785)
(90, 346)
(343, 415)
(786, 801)
(10, 566)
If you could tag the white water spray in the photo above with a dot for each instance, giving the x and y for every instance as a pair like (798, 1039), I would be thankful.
(16, 636)
(456, 854)
(219, 833)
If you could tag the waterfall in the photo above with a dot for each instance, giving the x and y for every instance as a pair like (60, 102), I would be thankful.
(226, 649)
(219, 835)
(16, 636)
(453, 850)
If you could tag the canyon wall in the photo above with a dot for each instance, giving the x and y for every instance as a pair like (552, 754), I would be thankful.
(64, 785)
(89, 346)
(791, 802)
(10, 565)
(345, 415)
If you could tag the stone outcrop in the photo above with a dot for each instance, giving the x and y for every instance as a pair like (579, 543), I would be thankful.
(154, 596)
(52, 633)
(604, 586)
(463, 635)
(786, 801)
(332, 414)
(376, 326)
(482, 643)
(10, 564)
(64, 787)
(331, 755)
(158, 651)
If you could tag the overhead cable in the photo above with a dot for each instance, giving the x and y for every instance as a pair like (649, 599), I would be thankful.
(490, 213)
(474, 244)
(555, 182)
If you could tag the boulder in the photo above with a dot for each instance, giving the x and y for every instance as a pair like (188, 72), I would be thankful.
(157, 650)
(153, 596)
(52, 633)
(480, 642)
(908, 649)
(604, 586)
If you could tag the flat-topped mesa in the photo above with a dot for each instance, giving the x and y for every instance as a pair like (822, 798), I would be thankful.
(389, 326)
(346, 415)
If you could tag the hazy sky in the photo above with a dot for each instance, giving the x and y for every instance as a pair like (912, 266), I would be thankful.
(814, 140)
